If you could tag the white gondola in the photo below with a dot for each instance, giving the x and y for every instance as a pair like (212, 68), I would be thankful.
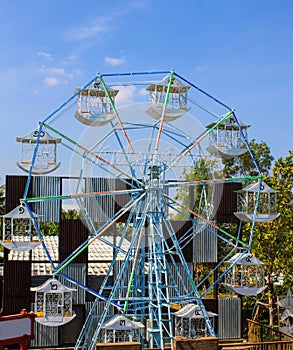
(177, 102)
(18, 230)
(286, 304)
(94, 105)
(246, 277)
(190, 323)
(53, 303)
(226, 140)
(45, 160)
(120, 329)
(267, 204)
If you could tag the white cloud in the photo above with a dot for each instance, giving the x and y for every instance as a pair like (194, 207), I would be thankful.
(72, 57)
(114, 61)
(125, 95)
(51, 81)
(90, 31)
(57, 75)
(46, 55)
(98, 26)
(73, 74)
(52, 71)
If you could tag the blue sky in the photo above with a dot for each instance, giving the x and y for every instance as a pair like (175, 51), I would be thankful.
(240, 51)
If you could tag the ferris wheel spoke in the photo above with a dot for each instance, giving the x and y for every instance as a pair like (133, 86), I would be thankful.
(93, 154)
(117, 247)
(189, 148)
(180, 138)
(164, 111)
(218, 265)
(176, 184)
(171, 250)
(37, 227)
(201, 217)
(129, 156)
(87, 194)
(187, 238)
(125, 153)
(98, 234)
(116, 113)
(91, 291)
(189, 277)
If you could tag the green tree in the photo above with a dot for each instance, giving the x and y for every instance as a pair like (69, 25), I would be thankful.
(204, 169)
(262, 154)
(49, 228)
(273, 241)
(70, 214)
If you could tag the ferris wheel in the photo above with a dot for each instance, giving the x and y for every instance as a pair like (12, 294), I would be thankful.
(144, 152)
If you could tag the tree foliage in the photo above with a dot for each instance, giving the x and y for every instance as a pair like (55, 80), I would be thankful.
(273, 241)
(204, 169)
(70, 214)
(49, 228)
(262, 155)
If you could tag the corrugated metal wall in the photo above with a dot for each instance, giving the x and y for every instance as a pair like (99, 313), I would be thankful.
(45, 336)
(39, 186)
(78, 272)
(49, 211)
(205, 244)
(229, 318)
(178, 279)
(100, 208)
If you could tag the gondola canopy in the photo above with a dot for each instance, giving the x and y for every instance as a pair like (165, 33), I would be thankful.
(53, 303)
(95, 105)
(247, 198)
(18, 231)
(177, 99)
(246, 277)
(46, 155)
(227, 140)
